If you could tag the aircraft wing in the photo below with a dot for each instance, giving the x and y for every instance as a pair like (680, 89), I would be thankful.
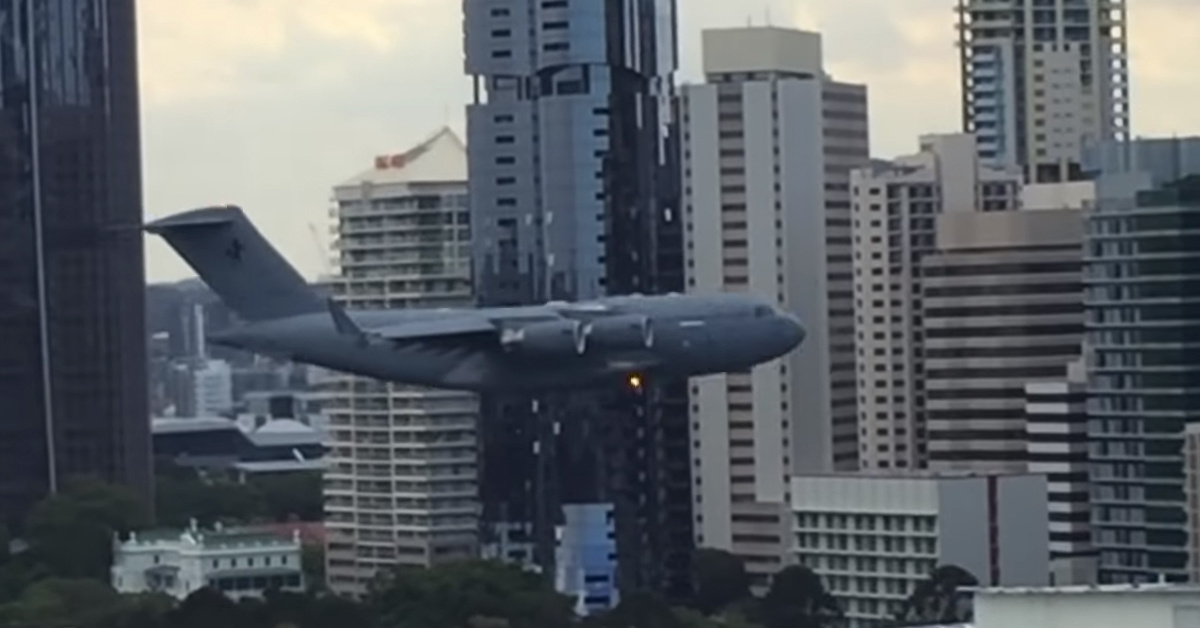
(451, 326)
(415, 330)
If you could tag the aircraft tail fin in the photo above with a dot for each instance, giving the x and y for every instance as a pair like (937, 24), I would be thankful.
(238, 263)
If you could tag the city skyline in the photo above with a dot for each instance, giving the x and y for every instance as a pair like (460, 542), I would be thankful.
(294, 132)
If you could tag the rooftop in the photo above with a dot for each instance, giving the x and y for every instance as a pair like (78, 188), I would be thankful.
(211, 539)
(917, 474)
(761, 49)
(440, 159)
(1095, 589)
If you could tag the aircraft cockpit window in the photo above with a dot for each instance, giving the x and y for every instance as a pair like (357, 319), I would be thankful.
(762, 311)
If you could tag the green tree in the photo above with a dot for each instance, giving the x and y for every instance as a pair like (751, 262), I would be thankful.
(642, 610)
(71, 533)
(208, 608)
(290, 496)
(148, 610)
(329, 611)
(208, 500)
(798, 599)
(312, 562)
(937, 599)
(721, 580)
(450, 595)
(61, 602)
(278, 497)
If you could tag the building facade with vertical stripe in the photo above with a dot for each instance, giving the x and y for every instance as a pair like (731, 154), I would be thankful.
(574, 195)
(895, 206)
(1143, 325)
(1057, 445)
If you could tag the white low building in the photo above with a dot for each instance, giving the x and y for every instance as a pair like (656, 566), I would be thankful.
(1105, 606)
(874, 538)
(239, 563)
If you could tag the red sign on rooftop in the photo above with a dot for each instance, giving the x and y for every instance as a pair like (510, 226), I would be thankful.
(383, 162)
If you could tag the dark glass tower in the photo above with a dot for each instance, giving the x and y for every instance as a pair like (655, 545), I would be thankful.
(1143, 323)
(574, 196)
(72, 318)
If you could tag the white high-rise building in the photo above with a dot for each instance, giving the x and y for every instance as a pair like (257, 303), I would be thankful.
(212, 387)
(894, 208)
(768, 144)
(401, 485)
(1043, 79)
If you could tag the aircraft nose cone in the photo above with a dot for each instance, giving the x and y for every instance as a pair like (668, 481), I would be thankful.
(794, 331)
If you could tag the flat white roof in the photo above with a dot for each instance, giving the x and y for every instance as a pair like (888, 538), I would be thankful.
(1094, 589)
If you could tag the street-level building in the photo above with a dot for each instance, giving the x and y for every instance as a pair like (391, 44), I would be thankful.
(874, 538)
(238, 563)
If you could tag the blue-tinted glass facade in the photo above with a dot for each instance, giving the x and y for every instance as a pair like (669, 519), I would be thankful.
(72, 319)
(573, 196)
(586, 557)
(1142, 283)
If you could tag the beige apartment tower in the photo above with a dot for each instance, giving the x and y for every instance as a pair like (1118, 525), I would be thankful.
(401, 486)
(895, 205)
(769, 141)
(1002, 303)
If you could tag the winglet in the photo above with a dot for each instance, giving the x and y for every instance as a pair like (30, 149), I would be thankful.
(343, 322)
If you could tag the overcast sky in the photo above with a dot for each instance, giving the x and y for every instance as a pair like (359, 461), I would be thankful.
(269, 103)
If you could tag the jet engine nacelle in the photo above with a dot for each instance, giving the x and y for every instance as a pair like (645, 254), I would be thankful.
(621, 333)
(547, 339)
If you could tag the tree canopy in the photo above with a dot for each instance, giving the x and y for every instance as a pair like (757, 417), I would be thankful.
(937, 599)
(453, 594)
(183, 495)
(62, 579)
(721, 580)
(70, 534)
(798, 599)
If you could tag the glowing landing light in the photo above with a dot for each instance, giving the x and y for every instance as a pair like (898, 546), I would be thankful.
(635, 382)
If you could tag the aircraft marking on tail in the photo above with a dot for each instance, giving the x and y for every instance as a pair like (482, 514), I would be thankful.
(234, 252)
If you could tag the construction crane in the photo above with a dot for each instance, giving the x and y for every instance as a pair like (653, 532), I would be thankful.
(322, 249)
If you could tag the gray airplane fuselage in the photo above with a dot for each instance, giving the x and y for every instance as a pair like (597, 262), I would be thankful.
(555, 345)
(692, 335)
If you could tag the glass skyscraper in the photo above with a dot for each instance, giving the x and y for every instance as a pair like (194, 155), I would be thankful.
(72, 300)
(573, 195)
(1142, 281)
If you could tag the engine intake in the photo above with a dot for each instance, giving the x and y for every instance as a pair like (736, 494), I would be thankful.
(547, 339)
(621, 333)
